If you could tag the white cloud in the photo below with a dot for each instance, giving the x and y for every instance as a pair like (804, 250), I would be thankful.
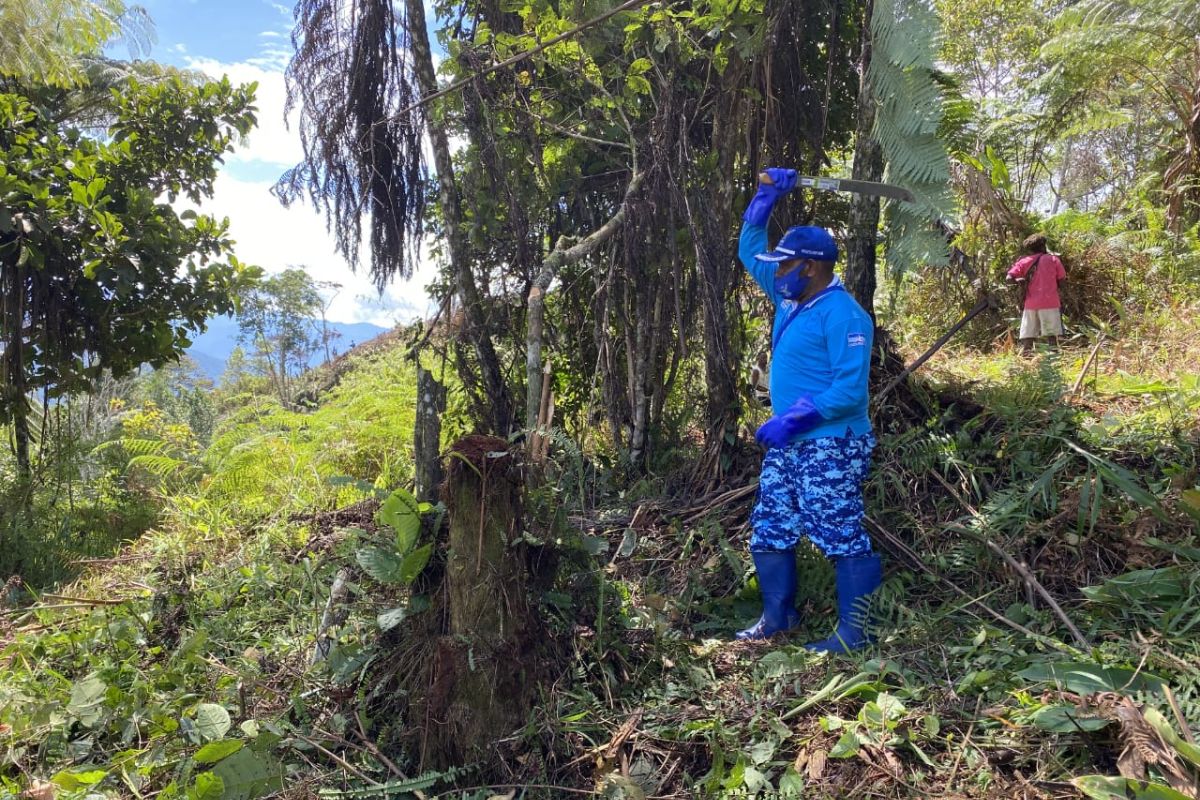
(271, 141)
(275, 238)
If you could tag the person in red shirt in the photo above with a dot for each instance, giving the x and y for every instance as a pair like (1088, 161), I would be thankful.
(1041, 272)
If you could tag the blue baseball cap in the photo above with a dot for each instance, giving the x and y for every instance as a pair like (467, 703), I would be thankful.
(803, 241)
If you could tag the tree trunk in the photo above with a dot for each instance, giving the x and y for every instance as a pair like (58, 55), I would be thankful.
(13, 384)
(559, 257)
(868, 166)
(716, 263)
(477, 328)
(427, 434)
(481, 688)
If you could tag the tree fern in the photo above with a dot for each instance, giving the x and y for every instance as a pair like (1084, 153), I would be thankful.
(45, 40)
(902, 77)
(1105, 51)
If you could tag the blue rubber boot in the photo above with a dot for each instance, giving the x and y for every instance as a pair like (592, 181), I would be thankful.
(777, 584)
(857, 579)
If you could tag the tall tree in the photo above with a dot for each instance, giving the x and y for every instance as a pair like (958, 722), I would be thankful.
(52, 42)
(1134, 64)
(277, 317)
(97, 273)
(360, 66)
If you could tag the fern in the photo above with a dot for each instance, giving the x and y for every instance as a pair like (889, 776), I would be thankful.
(902, 77)
(398, 788)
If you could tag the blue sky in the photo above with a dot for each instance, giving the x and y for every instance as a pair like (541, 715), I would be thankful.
(250, 40)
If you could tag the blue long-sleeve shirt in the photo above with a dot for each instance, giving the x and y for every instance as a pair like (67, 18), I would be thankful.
(824, 352)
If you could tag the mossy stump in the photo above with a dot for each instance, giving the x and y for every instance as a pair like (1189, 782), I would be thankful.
(481, 687)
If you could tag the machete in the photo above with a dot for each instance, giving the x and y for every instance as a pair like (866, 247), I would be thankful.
(847, 185)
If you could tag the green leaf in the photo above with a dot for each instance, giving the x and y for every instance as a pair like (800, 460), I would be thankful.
(1143, 585)
(1101, 787)
(74, 780)
(1122, 478)
(247, 775)
(1189, 501)
(212, 721)
(401, 512)
(763, 752)
(638, 85)
(213, 752)
(1066, 719)
(207, 787)
(1084, 677)
(1186, 749)
(414, 562)
(87, 700)
(640, 66)
(382, 565)
(394, 616)
(847, 746)
(791, 785)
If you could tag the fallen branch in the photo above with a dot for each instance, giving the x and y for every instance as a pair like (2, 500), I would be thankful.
(344, 764)
(387, 762)
(984, 303)
(733, 495)
(337, 594)
(1088, 364)
(90, 601)
(891, 539)
(1020, 568)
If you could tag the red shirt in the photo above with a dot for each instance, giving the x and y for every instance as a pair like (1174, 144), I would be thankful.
(1043, 288)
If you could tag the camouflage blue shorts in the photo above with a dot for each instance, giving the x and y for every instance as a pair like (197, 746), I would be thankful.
(814, 488)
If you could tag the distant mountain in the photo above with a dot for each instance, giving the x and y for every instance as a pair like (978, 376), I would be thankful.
(211, 349)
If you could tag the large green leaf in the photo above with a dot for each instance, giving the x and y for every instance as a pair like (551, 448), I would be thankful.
(1186, 749)
(212, 721)
(213, 752)
(401, 512)
(207, 787)
(247, 775)
(381, 564)
(1103, 787)
(1083, 677)
(74, 780)
(87, 700)
(414, 562)
(1145, 585)
(1066, 719)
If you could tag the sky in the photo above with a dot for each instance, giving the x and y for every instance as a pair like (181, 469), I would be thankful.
(250, 40)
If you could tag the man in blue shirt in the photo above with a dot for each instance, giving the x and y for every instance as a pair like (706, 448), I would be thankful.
(819, 440)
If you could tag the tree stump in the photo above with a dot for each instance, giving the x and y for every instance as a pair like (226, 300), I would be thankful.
(481, 684)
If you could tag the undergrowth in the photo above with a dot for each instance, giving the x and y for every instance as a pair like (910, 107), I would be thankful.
(188, 666)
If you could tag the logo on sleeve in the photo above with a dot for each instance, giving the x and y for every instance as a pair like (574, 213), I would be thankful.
(856, 340)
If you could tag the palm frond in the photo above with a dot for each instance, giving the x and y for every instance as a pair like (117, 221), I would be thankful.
(902, 75)
(351, 75)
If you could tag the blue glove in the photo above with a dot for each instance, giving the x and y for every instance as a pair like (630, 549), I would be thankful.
(759, 210)
(781, 430)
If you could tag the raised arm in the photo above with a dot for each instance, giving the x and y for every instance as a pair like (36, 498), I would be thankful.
(753, 240)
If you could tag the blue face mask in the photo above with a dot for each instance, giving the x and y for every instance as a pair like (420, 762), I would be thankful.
(792, 285)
